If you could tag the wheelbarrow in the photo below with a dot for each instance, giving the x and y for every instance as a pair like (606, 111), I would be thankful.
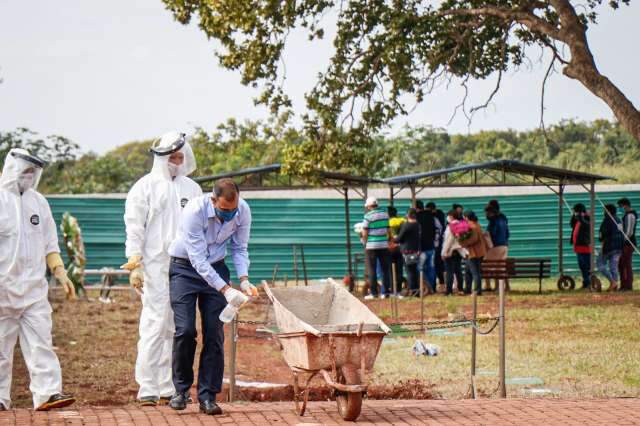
(325, 330)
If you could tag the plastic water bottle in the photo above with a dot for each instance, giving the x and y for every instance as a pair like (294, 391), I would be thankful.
(228, 313)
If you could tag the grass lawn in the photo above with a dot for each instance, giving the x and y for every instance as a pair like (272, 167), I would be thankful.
(574, 344)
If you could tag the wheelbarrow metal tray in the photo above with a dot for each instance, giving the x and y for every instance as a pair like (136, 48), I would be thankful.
(322, 322)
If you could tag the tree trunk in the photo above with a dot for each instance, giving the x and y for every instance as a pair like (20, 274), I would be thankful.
(624, 110)
(582, 67)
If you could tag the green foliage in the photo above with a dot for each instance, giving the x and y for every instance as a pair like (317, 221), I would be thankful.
(53, 148)
(235, 145)
(389, 54)
(74, 244)
(600, 147)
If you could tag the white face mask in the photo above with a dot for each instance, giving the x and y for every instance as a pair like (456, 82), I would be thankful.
(174, 169)
(25, 181)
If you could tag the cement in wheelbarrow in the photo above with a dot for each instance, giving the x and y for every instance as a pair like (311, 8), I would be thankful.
(324, 329)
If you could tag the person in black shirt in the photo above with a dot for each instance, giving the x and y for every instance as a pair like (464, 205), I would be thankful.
(396, 255)
(409, 240)
(427, 244)
(441, 222)
(629, 221)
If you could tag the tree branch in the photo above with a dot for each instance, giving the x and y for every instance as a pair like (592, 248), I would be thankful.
(533, 22)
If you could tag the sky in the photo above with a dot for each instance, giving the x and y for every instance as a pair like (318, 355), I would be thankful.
(104, 73)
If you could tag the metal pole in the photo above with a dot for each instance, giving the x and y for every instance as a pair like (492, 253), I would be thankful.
(304, 265)
(503, 384)
(422, 301)
(275, 273)
(473, 343)
(391, 195)
(367, 272)
(592, 228)
(394, 299)
(295, 263)
(413, 196)
(560, 224)
(348, 231)
(232, 366)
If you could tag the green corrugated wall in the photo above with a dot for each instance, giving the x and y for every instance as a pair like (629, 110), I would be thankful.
(319, 225)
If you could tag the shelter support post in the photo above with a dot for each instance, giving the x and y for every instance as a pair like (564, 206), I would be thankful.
(391, 195)
(348, 234)
(592, 226)
(560, 225)
(413, 195)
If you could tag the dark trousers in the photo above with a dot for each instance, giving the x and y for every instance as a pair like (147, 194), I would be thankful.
(382, 256)
(186, 288)
(439, 265)
(453, 265)
(584, 263)
(413, 278)
(398, 261)
(473, 273)
(626, 268)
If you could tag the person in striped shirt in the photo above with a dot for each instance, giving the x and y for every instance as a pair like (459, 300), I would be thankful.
(375, 236)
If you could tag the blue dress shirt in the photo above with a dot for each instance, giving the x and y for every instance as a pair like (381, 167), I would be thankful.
(203, 239)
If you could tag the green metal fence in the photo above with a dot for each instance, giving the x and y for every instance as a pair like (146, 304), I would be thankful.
(318, 224)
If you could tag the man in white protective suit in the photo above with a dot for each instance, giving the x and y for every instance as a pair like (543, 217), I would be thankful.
(28, 244)
(152, 215)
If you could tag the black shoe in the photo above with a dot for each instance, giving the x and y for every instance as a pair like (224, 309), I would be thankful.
(148, 401)
(179, 401)
(165, 400)
(57, 400)
(210, 408)
(2, 407)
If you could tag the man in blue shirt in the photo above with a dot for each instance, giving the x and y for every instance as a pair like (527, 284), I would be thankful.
(198, 273)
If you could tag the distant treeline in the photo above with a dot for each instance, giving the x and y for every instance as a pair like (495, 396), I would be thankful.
(601, 147)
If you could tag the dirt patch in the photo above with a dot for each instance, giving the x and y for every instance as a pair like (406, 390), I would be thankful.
(96, 345)
(410, 389)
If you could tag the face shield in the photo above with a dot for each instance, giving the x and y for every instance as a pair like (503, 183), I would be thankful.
(173, 156)
(22, 171)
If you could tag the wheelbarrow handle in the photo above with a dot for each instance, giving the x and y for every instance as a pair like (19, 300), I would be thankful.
(341, 387)
(267, 290)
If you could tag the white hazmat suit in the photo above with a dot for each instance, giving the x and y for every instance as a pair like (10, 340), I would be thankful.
(152, 216)
(28, 239)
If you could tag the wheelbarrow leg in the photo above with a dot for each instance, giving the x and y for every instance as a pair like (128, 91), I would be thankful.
(301, 398)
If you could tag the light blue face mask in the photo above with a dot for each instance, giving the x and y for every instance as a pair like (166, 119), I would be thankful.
(227, 216)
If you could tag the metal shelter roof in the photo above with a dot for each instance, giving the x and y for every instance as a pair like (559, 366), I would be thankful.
(270, 168)
(345, 178)
(504, 167)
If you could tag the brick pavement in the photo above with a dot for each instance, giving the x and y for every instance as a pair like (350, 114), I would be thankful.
(400, 412)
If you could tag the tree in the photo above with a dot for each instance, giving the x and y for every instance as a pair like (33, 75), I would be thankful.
(51, 149)
(388, 50)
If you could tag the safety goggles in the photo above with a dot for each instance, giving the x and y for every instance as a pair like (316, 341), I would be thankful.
(168, 150)
(38, 162)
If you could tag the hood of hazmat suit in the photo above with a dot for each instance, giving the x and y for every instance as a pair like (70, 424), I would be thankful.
(152, 217)
(21, 171)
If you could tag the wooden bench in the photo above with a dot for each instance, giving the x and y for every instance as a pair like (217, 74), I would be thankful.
(517, 267)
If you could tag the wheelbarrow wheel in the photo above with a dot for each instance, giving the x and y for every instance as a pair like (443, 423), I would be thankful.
(566, 282)
(596, 284)
(349, 403)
